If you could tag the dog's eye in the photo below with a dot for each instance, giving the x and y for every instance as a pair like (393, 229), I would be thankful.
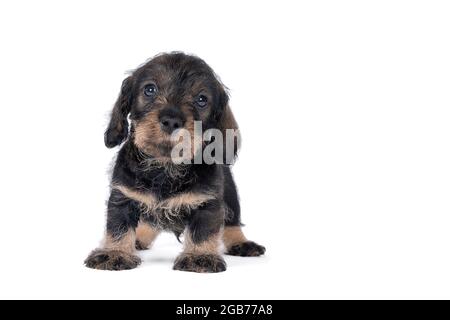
(150, 90)
(201, 101)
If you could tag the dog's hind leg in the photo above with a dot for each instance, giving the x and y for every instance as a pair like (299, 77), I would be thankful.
(118, 249)
(235, 242)
(145, 235)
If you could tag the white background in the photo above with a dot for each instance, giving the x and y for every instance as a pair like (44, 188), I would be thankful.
(344, 173)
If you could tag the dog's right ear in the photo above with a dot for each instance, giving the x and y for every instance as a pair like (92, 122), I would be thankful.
(117, 130)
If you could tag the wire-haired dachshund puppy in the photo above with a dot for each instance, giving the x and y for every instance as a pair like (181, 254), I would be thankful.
(149, 192)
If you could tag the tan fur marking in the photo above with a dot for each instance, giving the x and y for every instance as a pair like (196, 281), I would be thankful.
(125, 243)
(147, 199)
(161, 100)
(147, 129)
(210, 246)
(146, 234)
(232, 236)
(190, 200)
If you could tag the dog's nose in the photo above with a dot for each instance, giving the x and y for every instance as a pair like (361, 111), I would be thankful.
(170, 124)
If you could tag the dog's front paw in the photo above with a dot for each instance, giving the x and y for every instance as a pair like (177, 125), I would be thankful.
(103, 259)
(246, 249)
(205, 263)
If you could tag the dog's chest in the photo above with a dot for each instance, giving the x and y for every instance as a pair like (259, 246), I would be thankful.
(168, 210)
(165, 182)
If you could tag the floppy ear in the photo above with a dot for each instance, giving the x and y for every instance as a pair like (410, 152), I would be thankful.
(227, 120)
(230, 131)
(118, 125)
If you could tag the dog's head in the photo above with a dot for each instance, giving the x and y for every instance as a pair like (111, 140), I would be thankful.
(169, 92)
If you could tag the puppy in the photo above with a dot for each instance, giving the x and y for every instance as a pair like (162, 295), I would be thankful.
(151, 193)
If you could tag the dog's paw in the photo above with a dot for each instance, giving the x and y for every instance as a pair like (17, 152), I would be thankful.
(246, 249)
(115, 260)
(140, 246)
(205, 263)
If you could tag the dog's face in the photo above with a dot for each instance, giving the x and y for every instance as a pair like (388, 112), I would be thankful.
(169, 92)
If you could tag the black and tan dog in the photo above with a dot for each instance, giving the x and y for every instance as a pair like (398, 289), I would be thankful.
(149, 193)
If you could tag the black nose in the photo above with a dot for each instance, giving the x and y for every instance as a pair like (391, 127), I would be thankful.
(170, 124)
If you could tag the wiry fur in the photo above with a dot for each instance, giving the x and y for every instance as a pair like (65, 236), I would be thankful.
(145, 235)
(148, 189)
(166, 211)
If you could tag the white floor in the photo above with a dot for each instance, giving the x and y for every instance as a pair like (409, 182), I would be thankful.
(323, 241)
(295, 273)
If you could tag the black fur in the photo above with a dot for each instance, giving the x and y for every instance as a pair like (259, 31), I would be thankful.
(142, 163)
(246, 249)
(200, 263)
(118, 127)
(112, 260)
(207, 219)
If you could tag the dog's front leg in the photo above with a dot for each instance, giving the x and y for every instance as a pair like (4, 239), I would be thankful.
(118, 249)
(202, 239)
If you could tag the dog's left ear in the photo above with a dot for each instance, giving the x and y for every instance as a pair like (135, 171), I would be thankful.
(117, 130)
(230, 130)
(225, 118)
